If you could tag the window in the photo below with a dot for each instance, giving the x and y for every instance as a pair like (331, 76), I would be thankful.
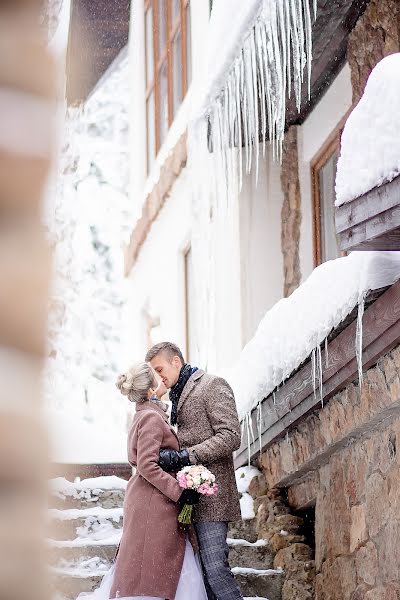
(168, 67)
(190, 298)
(323, 171)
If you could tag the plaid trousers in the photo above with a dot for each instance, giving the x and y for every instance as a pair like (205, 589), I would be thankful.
(214, 551)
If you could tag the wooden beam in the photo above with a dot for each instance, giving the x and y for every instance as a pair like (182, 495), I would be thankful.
(375, 228)
(370, 204)
(372, 220)
(296, 398)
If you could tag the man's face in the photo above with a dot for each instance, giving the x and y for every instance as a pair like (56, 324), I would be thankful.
(167, 368)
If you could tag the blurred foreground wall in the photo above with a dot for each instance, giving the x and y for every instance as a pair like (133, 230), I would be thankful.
(26, 112)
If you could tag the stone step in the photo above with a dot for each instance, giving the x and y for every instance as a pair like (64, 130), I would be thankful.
(94, 522)
(68, 586)
(254, 584)
(260, 583)
(71, 556)
(243, 530)
(106, 492)
(245, 554)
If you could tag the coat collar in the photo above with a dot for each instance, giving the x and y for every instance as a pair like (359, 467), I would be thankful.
(152, 406)
(189, 387)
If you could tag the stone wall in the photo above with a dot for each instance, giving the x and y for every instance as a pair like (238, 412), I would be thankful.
(291, 212)
(376, 35)
(285, 535)
(344, 460)
(358, 520)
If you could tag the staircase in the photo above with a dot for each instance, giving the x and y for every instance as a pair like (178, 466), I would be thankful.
(86, 526)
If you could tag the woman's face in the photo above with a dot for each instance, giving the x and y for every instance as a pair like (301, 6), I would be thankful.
(159, 388)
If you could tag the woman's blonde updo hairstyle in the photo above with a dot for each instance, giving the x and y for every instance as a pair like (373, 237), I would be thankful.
(136, 382)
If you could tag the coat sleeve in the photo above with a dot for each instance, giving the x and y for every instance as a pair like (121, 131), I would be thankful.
(149, 441)
(222, 413)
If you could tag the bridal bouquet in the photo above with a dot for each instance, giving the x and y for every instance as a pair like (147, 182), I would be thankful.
(200, 480)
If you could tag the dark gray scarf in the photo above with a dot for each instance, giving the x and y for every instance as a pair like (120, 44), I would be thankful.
(177, 389)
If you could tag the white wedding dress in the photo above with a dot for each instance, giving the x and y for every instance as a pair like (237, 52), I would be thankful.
(190, 586)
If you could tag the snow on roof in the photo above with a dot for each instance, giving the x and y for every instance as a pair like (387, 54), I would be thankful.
(370, 148)
(297, 325)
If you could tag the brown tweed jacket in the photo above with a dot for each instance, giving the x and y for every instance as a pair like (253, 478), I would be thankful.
(208, 425)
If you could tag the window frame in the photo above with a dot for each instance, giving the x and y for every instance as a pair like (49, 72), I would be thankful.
(329, 147)
(161, 57)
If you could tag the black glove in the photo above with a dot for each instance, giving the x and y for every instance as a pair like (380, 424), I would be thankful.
(189, 497)
(173, 460)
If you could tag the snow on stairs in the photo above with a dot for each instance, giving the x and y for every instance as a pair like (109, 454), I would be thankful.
(86, 525)
(251, 561)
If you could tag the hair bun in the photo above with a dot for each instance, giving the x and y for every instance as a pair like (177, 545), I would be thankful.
(136, 382)
(120, 382)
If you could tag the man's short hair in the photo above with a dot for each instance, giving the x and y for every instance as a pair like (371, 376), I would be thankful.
(167, 348)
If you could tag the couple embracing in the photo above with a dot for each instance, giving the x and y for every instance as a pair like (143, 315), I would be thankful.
(158, 558)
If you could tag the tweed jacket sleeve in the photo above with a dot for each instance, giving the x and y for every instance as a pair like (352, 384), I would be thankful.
(222, 414)
(149, 442)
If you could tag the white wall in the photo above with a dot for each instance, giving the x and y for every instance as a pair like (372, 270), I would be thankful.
(157, 279)
(260, 244)
(313, 133)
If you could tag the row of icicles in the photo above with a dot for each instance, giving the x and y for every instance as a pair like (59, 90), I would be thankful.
(317, 372)
(251, 106)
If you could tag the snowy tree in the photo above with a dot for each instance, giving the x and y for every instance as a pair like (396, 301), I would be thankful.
(88, 221)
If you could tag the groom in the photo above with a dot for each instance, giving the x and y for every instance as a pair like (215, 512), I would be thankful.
(204, 409)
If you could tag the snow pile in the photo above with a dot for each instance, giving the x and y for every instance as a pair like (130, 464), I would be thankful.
(98, 512)
(111, 540)
(247, 507)
(257, 544)
(87, 488)
(91, 567)
(243, 476)
(296, 326)
(370, 149)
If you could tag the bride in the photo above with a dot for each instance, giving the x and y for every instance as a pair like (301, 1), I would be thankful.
(156, 557)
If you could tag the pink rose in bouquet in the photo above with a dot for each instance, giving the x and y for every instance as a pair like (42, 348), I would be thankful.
(199, 479)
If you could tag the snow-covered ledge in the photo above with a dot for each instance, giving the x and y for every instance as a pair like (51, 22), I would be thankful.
(291, 365)
(368, 175)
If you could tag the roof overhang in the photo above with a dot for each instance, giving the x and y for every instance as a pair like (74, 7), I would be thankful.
(99, 29)
(335, 21)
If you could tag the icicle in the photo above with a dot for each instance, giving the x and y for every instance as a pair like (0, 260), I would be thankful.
(320, 375)
(313, 371)
(248, 438)
(259, 423)
(242, 427)
(274, 398)
(255, 101)
(287, 438)
(253, 439)
(308, 41)
(250, 105)
(326, 353)
(359, 338)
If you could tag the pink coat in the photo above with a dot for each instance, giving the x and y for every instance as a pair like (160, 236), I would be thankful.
(150, 557)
